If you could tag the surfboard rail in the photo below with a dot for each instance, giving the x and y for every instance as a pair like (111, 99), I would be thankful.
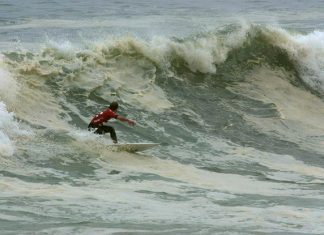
(132, 147)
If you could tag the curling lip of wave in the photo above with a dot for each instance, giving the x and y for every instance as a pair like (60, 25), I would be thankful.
(204, 53)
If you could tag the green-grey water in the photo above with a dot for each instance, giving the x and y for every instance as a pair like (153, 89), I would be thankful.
(232, 91)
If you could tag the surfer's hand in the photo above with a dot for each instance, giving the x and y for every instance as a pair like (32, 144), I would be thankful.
(131, 123)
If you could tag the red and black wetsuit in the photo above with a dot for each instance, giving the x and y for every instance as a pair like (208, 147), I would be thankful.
(98, 120)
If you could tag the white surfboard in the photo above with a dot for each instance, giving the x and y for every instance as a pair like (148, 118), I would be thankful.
(132, 147)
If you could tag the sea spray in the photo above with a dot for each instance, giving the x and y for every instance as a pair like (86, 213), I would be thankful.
(306, 50)
(238, 125)
(7, 125)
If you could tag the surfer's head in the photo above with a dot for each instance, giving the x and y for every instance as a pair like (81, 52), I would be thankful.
(113, 106)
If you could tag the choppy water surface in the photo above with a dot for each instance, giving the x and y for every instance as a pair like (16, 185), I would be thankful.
(232, 90)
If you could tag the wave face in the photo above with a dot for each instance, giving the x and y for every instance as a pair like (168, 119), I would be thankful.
(238, 112)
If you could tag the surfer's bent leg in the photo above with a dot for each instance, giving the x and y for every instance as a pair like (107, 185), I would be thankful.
(104, 129)
(112, 132)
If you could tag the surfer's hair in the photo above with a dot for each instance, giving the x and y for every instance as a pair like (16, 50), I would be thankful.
(113, 105)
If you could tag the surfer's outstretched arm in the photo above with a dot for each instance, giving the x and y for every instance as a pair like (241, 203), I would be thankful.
(123, 119)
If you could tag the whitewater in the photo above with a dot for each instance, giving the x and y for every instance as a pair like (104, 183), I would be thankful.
(232, 90)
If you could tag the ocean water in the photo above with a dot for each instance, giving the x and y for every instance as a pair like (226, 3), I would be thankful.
(232, 90)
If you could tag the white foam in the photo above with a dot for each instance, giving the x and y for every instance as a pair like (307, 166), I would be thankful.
(10, 132)
(287, 167)
(6, 146)
(8, 85)
(7, 124)
(200, 54)
(193, 177)
(228, 183)
(307, 50)
(112, 200)
(61, 49)
(282, 167)
(301, 113)
(133, 79)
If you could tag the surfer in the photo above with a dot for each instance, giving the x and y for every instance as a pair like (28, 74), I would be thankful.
(98, 120)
